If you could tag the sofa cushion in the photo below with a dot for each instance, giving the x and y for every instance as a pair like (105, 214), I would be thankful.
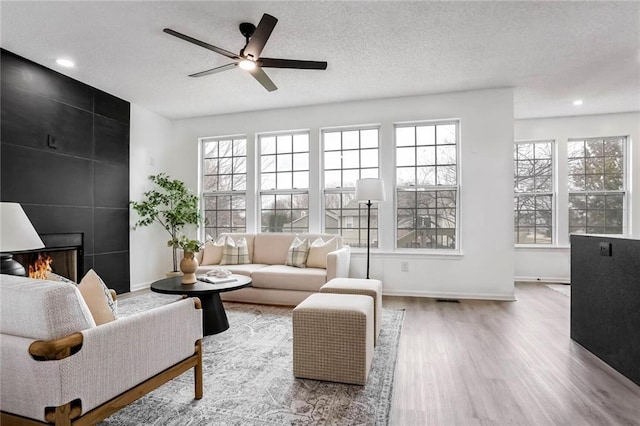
(98, 298)
(235, 252)
(297, 253)
(284, 277)
(212, 252)
(319, 250)
(271, 248)
(39, 309)
(249, 237)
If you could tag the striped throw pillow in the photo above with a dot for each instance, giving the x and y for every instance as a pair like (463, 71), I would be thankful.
(298, 252)
(235, 252)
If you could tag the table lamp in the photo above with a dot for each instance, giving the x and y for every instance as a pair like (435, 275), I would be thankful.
(16, 234)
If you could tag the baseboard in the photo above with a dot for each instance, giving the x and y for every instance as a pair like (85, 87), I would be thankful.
(450, 295)
(140, 286)
(546, 280)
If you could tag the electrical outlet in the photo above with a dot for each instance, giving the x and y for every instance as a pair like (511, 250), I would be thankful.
(404, 266)
(605, 249)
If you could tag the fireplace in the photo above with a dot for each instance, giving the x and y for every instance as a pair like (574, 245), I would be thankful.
(64, 250)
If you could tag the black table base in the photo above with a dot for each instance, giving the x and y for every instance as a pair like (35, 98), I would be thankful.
(214, 318)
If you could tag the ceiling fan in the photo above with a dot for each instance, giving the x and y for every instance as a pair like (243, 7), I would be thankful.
(249, 58)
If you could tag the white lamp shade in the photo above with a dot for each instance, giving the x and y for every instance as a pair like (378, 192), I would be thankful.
(16, 231)
(370, 190)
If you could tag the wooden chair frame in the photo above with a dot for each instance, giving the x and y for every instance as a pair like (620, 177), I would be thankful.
(71, 413)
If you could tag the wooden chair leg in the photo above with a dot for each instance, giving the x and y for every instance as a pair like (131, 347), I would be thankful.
(197, 370)
(63, 415)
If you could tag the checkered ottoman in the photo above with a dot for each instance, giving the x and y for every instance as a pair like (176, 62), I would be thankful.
(371, 288)
(333, 338)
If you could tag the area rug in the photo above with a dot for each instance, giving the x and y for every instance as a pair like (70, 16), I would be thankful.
(248, 378)
(561, 288)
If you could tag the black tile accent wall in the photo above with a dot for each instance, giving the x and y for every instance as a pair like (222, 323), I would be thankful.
(64, 153)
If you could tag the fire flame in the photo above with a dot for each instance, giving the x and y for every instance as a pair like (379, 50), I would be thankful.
(40, 267)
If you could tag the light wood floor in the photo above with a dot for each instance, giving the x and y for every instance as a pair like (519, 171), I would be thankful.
(503, 363)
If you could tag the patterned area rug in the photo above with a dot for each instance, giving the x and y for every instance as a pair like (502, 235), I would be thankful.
(248, 378)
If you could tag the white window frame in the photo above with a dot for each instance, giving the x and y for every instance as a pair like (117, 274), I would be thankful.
(274, 191)
(232, 193)
(552, 193)
(625, 182)
(457, 187)
(348, 190)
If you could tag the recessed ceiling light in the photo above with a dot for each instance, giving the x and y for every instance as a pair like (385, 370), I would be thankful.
(65, 63)
(577, 102)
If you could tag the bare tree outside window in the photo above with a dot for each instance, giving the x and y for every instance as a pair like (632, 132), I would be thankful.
(349, 155)
(224, 185)
(427, 185)
(533, 192)
(284, 182)
(597, 187)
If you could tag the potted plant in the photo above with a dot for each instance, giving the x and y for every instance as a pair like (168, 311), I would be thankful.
(174, 207)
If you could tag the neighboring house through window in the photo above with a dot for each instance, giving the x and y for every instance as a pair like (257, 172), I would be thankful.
(427, 185)
(284, 182)
(224, 184)
(349, 155)
(533, 192)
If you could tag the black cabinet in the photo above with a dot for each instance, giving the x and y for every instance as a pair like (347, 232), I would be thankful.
(605, 300)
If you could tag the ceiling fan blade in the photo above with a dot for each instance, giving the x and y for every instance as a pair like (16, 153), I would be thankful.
(260, 36)
(201, 44)
(292, 63)
(215, 70)
(263, 79)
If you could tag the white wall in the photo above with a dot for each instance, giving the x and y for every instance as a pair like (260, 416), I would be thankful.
(485, 267)
(553, 263)
(151, 152)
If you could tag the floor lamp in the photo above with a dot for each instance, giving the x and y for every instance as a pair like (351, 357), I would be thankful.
(16, 234)
(369, 191)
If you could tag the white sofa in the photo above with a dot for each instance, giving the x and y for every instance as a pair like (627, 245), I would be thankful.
(275, 283)
(59, 367)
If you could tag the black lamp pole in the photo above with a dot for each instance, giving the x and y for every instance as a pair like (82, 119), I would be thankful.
(368, 232)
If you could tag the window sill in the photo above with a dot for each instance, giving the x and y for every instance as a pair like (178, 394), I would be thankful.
(540, 247)
(404, 254)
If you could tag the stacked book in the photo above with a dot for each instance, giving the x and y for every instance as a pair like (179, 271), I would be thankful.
(217, 277)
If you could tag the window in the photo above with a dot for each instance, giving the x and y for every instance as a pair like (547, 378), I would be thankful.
(224, 184)
(426, 185)
(349, 155)
(533, 197)
(596, 179)
(284, 182)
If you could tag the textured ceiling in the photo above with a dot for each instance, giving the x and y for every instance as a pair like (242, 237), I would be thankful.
(550, 52)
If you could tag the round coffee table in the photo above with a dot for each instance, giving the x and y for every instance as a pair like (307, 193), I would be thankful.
(214, 318)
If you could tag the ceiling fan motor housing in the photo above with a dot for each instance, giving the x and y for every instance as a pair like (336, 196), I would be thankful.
(247, 29)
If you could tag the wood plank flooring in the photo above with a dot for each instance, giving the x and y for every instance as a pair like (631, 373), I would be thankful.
(503, 363)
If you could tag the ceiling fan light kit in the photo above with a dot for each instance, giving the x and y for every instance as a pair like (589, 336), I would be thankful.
(249, 58)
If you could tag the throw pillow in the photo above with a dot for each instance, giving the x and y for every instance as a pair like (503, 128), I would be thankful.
(98, 298)
(235, 252)
(212, 254)
(318, 252)
(297, 253)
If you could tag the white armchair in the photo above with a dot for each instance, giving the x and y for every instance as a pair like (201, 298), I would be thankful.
(58, 367)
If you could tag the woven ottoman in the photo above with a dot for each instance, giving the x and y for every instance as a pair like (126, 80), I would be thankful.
(371, 288)
(333, 338)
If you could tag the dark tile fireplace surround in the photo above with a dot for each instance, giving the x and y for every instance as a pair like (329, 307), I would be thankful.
(64, 152)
